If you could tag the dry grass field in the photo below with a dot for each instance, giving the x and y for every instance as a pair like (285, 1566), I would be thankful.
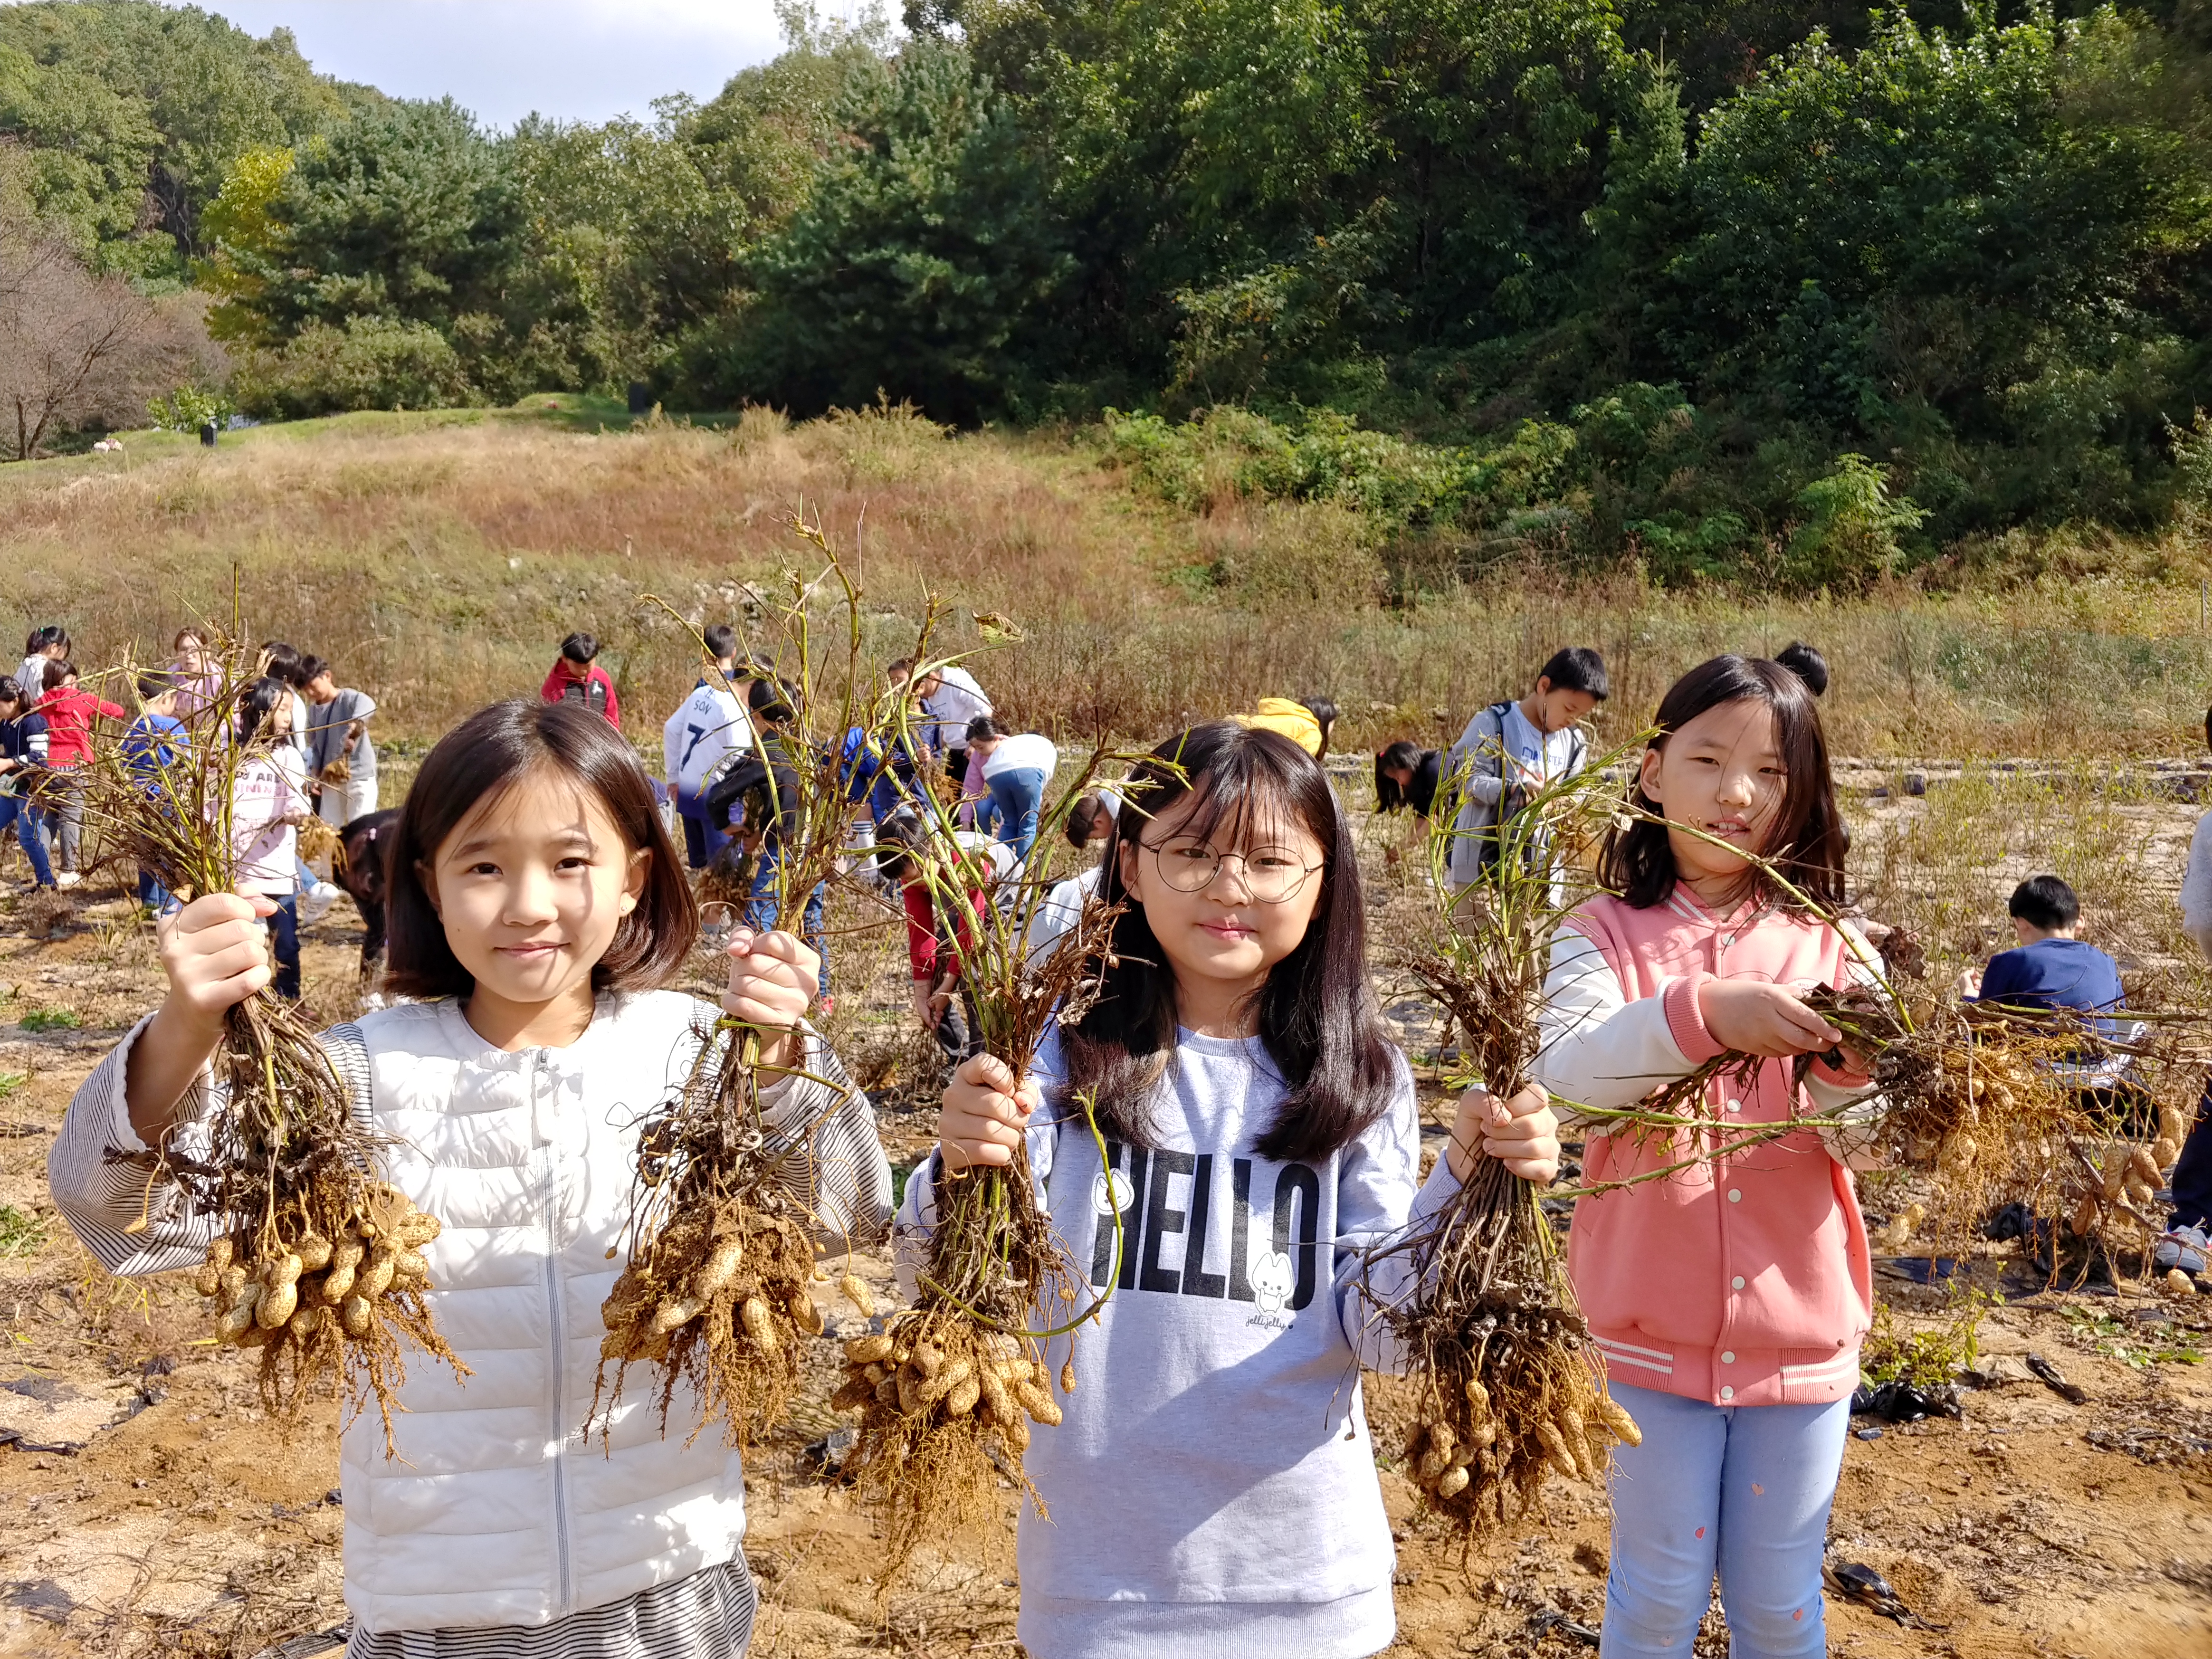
(146, 1506)
(438, 558)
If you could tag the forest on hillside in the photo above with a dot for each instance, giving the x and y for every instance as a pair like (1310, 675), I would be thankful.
(1800, 291)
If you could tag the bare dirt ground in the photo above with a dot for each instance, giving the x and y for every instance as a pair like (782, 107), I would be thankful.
(148, 1506)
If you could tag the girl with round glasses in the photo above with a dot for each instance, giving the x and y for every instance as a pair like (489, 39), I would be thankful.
(1214, 1479)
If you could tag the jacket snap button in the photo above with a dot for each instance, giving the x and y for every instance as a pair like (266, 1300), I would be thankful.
(1736, 1195)
(1728, 1394)
(1735, 1105)
(1728, 1357)
(1736, 1283)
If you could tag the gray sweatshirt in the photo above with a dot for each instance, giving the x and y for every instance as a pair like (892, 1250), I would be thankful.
(1213, 1489)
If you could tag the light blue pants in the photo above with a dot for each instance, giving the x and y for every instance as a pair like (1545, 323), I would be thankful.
(1744, 1490)
(1017, 798)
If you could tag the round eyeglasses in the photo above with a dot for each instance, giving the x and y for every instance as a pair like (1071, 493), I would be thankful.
(1272, 875)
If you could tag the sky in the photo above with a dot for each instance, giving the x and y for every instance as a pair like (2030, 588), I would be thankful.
(583, 60)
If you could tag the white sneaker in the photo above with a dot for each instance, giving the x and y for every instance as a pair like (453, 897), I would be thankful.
(68, 878)
(315, 903)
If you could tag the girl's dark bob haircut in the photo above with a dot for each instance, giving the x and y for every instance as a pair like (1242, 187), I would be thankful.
(1317, 1014)
(1806, 843)
(490, 751)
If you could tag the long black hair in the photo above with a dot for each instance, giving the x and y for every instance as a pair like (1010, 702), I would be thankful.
(1317, 1014)
(488, 752)
(1389, 795)
(256, 703)
(1807, 842)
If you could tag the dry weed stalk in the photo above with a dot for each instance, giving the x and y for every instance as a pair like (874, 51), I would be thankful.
(324, 1272)
(947, 1389)
(1509, 1387)
(715, 1292)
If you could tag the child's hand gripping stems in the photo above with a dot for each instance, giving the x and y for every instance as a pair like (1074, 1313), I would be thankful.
(214, 952)
(1521, 1133)
(985, 1114)
(773, 980)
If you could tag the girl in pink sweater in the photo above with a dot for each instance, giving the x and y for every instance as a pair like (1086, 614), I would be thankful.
(1729, 1298)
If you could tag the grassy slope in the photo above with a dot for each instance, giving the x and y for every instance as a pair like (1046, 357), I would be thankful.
(437, 558)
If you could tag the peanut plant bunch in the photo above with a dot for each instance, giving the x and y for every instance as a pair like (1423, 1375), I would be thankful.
(322, 1271)
(947, 1391)
(1509, 1387)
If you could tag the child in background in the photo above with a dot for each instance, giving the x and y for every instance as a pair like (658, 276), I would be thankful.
(770, 776)
(1406, 775)
(282, 663)
(1510, 749)
(1213, 1489)
(339, 743)
(537, 907)
(707, 730)
(156, 742)
(1288, 719)
(1807, 664)
(195, 672)
(2050, 969)
(1015, 769)
(268, 801)
(69, 711)
(575, 678)
(22, 760)
(1089, 822)
(44, 645)
(2188, 1242)
(953, 700)
(1729, 1299)
(935, 944)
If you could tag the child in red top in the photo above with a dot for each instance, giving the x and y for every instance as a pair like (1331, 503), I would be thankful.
(576, 679)
(1729, 1298)
(70, 712)
(935, 944)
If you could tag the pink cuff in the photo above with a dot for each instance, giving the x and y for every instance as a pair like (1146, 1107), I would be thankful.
(1685, 1024)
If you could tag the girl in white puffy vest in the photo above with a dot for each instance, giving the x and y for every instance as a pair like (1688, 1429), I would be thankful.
(536, 906)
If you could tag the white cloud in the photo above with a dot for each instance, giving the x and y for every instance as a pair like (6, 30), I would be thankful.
(573, 59)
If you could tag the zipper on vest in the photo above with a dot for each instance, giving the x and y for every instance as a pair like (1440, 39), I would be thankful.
(560, 1344)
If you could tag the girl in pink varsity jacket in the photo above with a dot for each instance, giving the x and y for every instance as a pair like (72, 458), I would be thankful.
(1729, 1298)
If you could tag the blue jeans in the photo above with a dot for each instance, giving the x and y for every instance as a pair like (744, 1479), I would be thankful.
(155, 896)
(1017, 797)
(760, 911)
(19, 812)
(284, 944)
(701, 839)
(1744, 1490)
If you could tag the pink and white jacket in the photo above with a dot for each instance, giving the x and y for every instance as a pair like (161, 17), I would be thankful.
(1742, 1280)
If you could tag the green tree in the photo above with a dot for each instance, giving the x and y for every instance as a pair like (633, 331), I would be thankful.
(921, 264)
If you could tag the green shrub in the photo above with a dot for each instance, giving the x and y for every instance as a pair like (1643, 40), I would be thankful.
(1848, 536)
(188, 409)
(373, 362)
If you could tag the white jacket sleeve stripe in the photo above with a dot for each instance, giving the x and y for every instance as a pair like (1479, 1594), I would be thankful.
(832, 1160)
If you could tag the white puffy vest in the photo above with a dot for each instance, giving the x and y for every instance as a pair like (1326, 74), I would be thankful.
(496, 1510)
